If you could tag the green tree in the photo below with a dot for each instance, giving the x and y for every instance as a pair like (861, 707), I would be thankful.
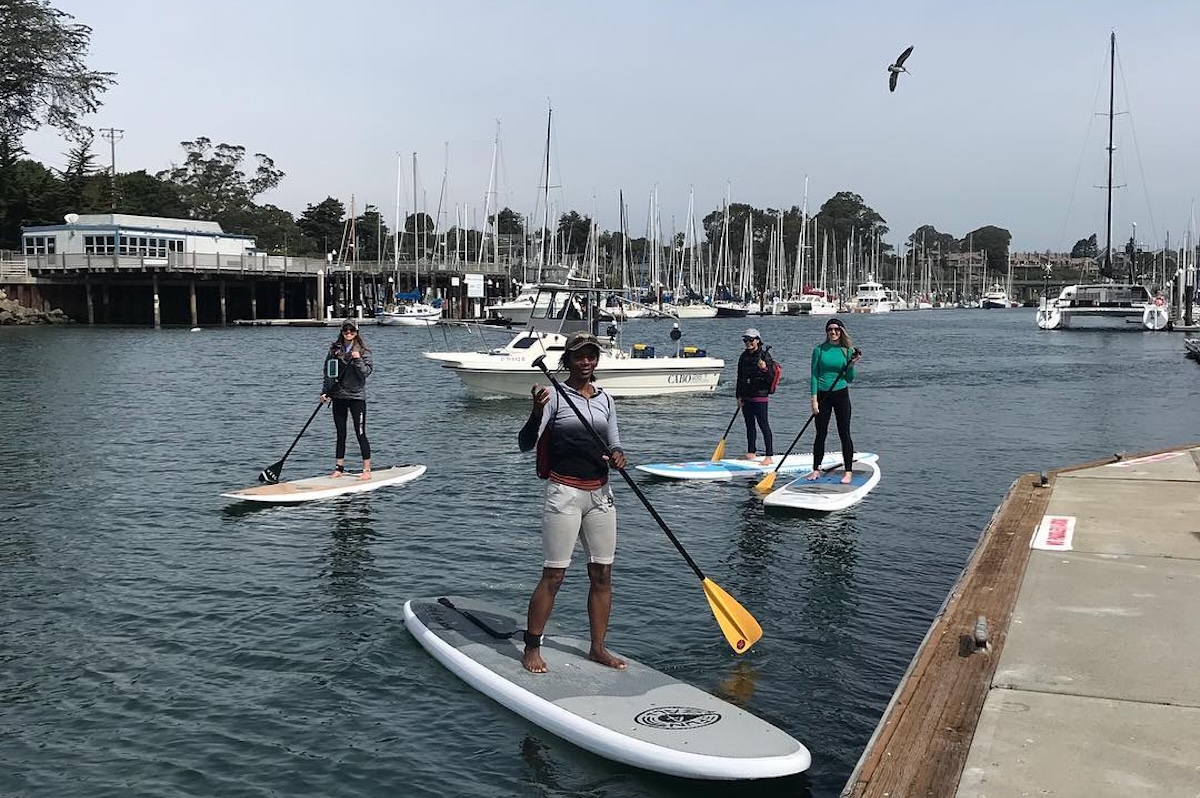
(322, 225)
(510, 222)
(273, 228)
(372, 234)
(211, 180)
(573, 232)
(144, 194)
(418, 228)
(81, 191)
(993, 241)
(846, 213)
(1086, 248)
(29, 195)
(44, 79)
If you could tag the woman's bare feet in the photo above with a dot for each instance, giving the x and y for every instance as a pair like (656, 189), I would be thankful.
(751, 455)
(532, 660)
(813, 476)
(847, 477)
(337, 471)
(605, 657)
(366, 474)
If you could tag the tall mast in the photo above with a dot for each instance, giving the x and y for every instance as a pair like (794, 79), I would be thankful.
(545, 198)
(1112, 67)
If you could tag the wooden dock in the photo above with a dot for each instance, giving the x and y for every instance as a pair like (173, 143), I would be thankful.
(929, 743)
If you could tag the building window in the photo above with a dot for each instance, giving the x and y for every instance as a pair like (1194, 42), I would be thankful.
(39, 245)
(147, 247)
(99, 245)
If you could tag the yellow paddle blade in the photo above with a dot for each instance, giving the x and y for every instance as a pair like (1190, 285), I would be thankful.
(766, 483)
(738, 625)
(719, 452)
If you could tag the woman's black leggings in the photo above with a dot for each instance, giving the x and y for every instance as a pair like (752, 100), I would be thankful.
(757, 412)
(837, 402)
(357, 408)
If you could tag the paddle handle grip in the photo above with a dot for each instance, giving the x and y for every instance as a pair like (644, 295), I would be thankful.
(539, 362)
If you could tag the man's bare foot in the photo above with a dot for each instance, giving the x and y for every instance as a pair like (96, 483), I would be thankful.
(365, 475)
(847, 477)
(532, 660)
(604, 657)
(813, 476)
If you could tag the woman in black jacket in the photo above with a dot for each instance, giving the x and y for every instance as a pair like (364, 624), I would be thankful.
(347, 366)
(754, 374)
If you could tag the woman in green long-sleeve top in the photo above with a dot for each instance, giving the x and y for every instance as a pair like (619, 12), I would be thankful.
(834, 356)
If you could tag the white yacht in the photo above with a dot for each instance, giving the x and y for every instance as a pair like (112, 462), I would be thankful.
(872, 297)
(996, 298)
(816, 303)
(558, 311)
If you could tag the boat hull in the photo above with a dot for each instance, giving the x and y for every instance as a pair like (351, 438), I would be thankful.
(660, 376)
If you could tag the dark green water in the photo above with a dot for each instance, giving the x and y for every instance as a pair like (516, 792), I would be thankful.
(158, 641)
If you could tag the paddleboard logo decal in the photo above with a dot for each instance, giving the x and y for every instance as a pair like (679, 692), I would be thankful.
(677, 718)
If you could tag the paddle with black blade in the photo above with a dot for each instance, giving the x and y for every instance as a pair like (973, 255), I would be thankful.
(719, 452)
(740, 628)
(271, 473)
(766, 483)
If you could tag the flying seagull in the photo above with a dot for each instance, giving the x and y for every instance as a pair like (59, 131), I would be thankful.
(898, 67)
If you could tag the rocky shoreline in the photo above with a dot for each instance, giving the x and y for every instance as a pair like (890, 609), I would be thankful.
(12, 312)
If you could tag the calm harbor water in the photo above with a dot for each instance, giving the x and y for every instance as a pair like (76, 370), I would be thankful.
(160, 641)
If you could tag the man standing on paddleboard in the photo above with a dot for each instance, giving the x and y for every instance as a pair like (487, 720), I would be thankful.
(579, 501)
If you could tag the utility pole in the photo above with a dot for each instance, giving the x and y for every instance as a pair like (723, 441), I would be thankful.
(113, 135)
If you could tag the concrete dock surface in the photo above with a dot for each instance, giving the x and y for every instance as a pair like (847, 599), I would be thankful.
(1089, 684)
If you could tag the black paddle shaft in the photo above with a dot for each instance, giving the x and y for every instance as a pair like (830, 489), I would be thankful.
(816, 466)
(732, 419)
(539, 363)
(271, 472)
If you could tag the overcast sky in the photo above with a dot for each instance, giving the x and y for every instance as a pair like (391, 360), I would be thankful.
(997, 125)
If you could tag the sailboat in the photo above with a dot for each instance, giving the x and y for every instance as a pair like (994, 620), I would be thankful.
(1109, 301)
(407, 310)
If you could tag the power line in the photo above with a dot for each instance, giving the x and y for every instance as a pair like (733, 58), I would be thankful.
(113, 135)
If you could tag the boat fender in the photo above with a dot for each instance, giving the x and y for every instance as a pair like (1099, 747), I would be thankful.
(1158, 301)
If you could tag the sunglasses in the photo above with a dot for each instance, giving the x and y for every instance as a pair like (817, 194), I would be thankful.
(833, 329)
(748, 339)
(349, 329)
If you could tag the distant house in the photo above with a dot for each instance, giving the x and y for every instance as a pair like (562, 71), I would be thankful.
(149, 240)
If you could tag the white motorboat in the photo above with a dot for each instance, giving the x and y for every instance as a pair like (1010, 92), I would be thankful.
(509, 371)
(816, 303)
(996, 298)
(871, 297)
(409, 314)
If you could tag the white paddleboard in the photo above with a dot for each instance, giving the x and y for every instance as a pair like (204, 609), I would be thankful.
(326, 487)
(826, 493)
(732, 467)
(638, 716)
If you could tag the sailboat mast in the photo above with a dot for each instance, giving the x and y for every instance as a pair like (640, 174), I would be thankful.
(545, 197)
(1112, 67)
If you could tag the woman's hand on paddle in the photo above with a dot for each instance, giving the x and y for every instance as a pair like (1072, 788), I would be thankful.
(617, 458)
(324, 398)
(815, 406)
(355, 354)
(540, 394)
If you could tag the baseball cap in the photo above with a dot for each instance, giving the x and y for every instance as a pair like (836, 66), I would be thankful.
(350, 323)
(579, 340)
(751, 333)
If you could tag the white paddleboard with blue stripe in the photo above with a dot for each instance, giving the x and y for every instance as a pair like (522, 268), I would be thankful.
(827, 492)
(637, 715)
(732, 467)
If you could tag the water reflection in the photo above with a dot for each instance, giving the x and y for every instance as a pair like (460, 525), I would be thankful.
(351, 561)
(738, 685)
